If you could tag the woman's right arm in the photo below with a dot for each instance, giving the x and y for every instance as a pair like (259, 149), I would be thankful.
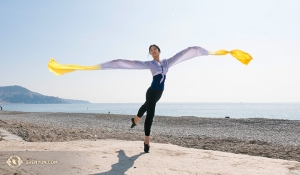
(125, 64)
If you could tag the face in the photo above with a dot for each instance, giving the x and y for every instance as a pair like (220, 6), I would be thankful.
(154, 51)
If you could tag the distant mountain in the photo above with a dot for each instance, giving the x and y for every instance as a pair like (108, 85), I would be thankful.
(18, 94)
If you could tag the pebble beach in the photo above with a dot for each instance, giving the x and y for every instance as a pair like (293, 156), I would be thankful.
(272, 138)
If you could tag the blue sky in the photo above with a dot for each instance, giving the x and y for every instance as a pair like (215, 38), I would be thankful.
(92, 32)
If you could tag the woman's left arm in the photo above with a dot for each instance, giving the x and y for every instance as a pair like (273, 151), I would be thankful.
(186, 54)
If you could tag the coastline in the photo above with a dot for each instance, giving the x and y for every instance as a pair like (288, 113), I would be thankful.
(288, 111)
(271, 138)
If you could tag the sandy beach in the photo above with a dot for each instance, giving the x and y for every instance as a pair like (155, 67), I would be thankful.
(105, 144)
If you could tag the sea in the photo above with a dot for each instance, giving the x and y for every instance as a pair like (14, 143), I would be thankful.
(289, 111)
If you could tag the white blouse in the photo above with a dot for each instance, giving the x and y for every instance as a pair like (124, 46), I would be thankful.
(154, 66)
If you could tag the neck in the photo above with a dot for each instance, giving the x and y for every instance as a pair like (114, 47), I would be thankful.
(156, 59)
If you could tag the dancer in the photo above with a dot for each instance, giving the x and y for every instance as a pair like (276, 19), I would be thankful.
(158, 68)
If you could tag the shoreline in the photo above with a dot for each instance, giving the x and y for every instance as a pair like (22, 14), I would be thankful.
(289, 111)
(272, 138)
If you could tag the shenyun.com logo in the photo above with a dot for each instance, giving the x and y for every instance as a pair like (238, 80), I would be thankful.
(14, 161)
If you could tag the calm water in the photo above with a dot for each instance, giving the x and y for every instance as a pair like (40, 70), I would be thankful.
(289, 111)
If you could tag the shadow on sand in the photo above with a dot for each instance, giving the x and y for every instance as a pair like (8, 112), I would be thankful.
(122, 165)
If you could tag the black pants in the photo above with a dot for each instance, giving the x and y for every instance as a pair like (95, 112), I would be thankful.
(152, 97)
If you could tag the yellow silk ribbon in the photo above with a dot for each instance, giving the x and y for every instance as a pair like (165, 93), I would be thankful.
(59, 69)
(240, 55)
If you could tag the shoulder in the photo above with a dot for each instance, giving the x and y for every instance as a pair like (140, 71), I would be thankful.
(164, 62)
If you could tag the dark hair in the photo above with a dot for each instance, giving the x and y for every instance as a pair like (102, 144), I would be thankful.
(154, 46)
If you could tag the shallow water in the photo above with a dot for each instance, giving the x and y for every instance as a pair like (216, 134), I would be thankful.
(290, 111)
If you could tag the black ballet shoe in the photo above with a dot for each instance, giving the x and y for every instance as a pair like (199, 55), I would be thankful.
(146, 148)
(133, 124)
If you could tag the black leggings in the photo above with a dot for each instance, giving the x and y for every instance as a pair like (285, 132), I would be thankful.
(152, 97)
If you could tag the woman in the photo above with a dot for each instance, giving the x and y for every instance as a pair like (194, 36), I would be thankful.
(159, 69)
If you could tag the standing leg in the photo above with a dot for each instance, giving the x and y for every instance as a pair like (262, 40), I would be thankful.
(152, 98)
(149, 118)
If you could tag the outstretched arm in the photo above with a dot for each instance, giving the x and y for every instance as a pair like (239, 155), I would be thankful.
(186, 54)
(125, 64)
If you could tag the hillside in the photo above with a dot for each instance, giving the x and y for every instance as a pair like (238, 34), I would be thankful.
(18, 94)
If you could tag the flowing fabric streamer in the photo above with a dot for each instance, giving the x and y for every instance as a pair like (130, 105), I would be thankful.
(243, 57)
(59, 69)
